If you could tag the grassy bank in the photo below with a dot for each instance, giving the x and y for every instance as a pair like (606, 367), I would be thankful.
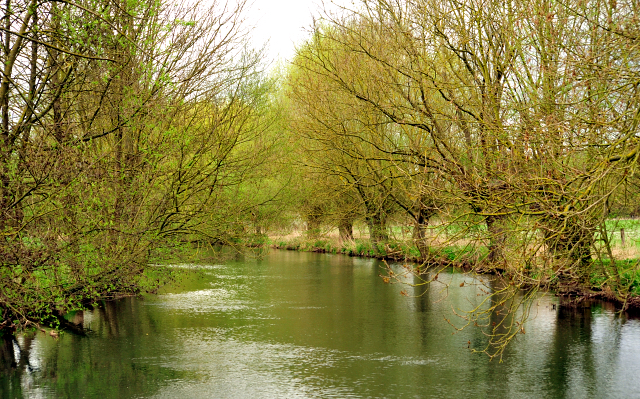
(616, 279)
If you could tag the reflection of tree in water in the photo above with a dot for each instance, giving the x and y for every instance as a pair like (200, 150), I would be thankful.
(108, 312)
(9, 376)
(7, 358)
(104, 363)
(572, 353)
(14, 363)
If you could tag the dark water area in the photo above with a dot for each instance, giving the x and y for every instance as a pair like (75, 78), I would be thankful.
(305, 325)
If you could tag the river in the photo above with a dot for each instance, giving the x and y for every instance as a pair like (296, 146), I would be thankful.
(306, 325)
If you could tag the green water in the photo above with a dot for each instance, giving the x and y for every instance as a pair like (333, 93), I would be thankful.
(304, 325)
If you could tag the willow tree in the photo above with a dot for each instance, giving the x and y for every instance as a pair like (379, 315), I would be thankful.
(440, 82)
(342, 139)
(505, 92)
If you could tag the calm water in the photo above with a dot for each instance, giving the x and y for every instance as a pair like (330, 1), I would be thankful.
(304, 325)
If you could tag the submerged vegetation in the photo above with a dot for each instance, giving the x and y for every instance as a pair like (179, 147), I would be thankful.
(500, 137)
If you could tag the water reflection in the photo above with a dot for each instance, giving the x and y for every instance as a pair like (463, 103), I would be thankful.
(301, 325)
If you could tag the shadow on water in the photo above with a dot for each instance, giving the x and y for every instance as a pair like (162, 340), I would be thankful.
(100, 364)
(9, 375)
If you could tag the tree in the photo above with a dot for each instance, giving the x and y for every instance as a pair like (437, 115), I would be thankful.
(342, 138)
(522, 116)
(125, 126)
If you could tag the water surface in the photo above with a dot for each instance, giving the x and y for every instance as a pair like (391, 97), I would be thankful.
(305, 325)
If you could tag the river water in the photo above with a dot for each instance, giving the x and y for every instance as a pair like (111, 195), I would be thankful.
(305, 325)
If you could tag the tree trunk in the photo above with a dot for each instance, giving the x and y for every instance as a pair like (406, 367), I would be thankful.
(346, 230)
(314, 222)
(420, 225)
(377, 228)
(497, 238)
(570, 239)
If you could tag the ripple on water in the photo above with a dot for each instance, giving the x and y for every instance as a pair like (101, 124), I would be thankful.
(402, 360)
(202, 301)
(229, 366)
(214, 300)
(193, 266)
(230, 363)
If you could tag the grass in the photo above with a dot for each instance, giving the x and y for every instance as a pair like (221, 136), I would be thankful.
(356, 247)
(623, 276)
(466, 247)
(631, 232)
(403, 250)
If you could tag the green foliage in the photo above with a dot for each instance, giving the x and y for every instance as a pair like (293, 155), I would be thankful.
(141, 138)
(358, 247)
(622, 277)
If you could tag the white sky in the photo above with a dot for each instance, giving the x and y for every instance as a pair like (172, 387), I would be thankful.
(283, 23)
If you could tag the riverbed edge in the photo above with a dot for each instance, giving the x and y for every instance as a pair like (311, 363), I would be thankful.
(572, 295)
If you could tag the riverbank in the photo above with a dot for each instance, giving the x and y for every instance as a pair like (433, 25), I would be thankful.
(395, 251)
(472, 259)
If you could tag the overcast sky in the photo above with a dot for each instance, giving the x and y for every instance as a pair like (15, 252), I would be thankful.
(284, 23)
